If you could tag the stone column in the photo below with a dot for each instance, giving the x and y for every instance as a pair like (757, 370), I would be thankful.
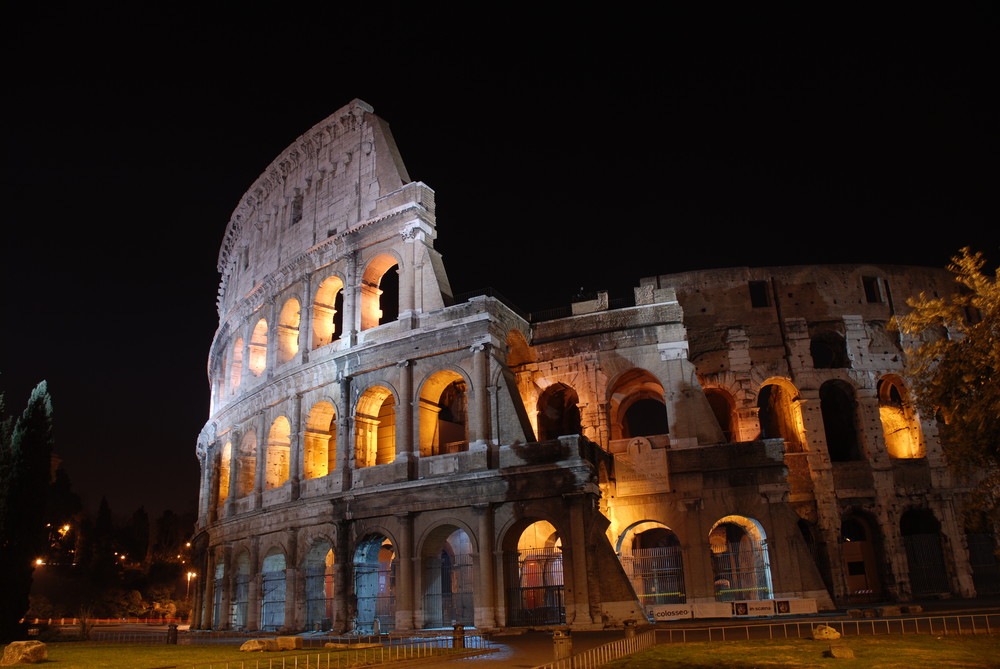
(479, 424)
(296, 435)
(405, 580)
(406, 450)
(345, 433)
(260, 469)
(485, 595)
(352, 312)
(254, 589)
(227, 591)
(343, 591)
(305, 319)
(234, 457)
(577, 601)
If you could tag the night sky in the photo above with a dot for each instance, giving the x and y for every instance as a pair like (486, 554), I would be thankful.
(568, 149)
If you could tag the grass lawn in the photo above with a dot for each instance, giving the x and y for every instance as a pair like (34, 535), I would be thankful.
(88, 655)
(914, 651)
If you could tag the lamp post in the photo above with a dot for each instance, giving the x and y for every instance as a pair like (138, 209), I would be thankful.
(187, 592)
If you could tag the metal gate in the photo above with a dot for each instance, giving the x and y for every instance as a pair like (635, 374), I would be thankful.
(375, 587)
(742, 574)
(926, 561)
(983, 560)
(448, 593)
(657, 574)
(535, 595)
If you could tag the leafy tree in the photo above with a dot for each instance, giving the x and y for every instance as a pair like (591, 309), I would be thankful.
(25, 476)
(954, 369)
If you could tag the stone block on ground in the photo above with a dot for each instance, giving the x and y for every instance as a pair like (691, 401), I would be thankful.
(24, 652)
(891, 610)
(840, 651)
(854, 613)
(259, 645)
(822, 632)
(289, 643)
(913, 608)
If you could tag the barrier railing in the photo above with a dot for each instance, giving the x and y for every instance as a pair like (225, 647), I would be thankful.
(596, 657)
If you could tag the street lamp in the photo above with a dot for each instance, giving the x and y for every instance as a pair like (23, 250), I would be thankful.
(190, 575)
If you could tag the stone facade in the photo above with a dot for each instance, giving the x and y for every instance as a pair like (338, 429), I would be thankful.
(382, 456)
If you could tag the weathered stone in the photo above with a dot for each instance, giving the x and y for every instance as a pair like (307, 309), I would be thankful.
(890, 610)
(855, 613)
(24, 652)
(391, 433)
(840, 651)
(824, 632)
(913, 608)
(289, 642)
(260, 645)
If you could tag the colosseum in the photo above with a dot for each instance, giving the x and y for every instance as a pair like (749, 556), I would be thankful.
(384, 455)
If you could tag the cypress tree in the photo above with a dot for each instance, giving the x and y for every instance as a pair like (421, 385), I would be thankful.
(25, 473)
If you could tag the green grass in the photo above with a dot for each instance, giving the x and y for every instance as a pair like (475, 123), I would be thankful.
(89, 655)
(870, 652)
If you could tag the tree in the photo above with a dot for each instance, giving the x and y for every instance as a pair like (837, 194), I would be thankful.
(25, 476)
(954, 368)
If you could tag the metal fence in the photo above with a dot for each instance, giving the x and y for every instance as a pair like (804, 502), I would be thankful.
(985, 623)
(386, 652)
(973, 623)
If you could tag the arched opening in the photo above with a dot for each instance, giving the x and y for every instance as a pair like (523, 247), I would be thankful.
(258, 348)
(443, 414)
(278, 448)
(380, 292)
(900, 424)
(740, 562)
(448, 578)
(840, 421)
(320, 447)
(246, 464)
(829, 351)
(860, 549)
(535, 594)
(921, 533)
(236, 366)
(779, 416)
(288, 330)
(650, 553)
(375, 585)
(328, 312)
(375, 422)
(241, 592)
(222, 483)
(724, 410)
(637, 406)
(272, 598)
(319, 587)
(558, 412)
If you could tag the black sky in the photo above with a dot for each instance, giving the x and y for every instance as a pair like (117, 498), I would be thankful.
(568, 148)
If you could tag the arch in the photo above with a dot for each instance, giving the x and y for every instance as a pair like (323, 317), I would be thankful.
(900, 424)
(258, 348)
(443, 417)
(637, 406)
(241, 591)
(375, 428)
(379, 292)
(288, 330)
(222, 485)
(328, 312)
(558, 412)
(320, 441)
(861, 553)
(921, 532)
(272, 597)
(246, 464)
(448, 577)
(779, 414)
(236, 366)
(318, 576)
(740, 564)
(651, 555)
(278, 450)
(829, 350)
(840, 421)
(534, 573)
(375, 584)
(724, 408)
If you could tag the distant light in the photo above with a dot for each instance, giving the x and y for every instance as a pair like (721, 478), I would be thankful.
(39, 561)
